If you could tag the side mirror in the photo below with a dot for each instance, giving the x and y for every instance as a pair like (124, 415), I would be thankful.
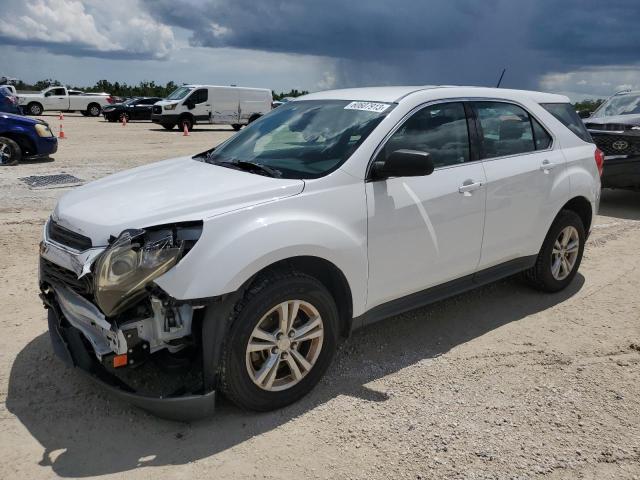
(584, 113)
(402, 163)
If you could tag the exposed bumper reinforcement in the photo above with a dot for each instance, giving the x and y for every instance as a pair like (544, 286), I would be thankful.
(68, 344)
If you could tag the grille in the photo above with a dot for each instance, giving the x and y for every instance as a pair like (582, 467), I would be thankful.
(157, 109)
(52, 273)
(67, 238)
(606, 142)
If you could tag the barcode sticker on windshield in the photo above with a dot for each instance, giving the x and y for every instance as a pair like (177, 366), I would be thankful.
(367, 106)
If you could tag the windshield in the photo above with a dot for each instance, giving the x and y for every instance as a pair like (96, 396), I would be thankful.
(179, 93)
(303, 139)
(619, 105)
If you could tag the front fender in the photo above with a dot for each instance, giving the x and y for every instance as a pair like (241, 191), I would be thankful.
(235, 246)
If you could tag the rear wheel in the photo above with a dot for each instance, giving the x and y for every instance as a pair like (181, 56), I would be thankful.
(94, 109)
(10, 152)
(282, 340)
(560, 255)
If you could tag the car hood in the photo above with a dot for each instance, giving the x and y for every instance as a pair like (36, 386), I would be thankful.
(631, 120)
(175, 190)
(20, 119)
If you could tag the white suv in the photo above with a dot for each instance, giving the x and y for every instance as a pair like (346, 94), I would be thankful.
(243, 266)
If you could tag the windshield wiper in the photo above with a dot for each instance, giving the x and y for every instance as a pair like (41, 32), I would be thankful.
(244, 165)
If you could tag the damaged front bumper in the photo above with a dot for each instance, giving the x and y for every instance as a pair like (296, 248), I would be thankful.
(77, 336)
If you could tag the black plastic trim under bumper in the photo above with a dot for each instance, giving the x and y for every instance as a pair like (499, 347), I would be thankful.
(621, 172)
(69, 347)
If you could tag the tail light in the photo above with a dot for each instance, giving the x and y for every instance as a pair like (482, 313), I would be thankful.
(599, 157)
(110, 99)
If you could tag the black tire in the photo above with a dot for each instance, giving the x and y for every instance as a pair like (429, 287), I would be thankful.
(265, 294)
(111, 119)
(84, 113)
(94, 110)
(10, 152)
(540, 276)
(34, 108)
(168, 126)
(236, 126)
(185, 121)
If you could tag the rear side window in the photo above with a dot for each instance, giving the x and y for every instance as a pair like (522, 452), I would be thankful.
(541, 137)
(505, 129)
(566, 114)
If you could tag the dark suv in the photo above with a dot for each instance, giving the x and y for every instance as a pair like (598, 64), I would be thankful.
(615, 127)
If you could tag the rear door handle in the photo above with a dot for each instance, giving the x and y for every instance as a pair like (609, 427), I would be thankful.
(547, 165)
(469, 186)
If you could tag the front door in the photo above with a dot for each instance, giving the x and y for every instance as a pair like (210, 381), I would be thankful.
(424, 231)
(57, 99)
(199, 100)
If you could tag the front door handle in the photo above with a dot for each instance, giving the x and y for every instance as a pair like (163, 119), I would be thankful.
(547, 166)
(469, 186)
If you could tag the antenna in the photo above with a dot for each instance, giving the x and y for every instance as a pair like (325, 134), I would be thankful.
(501, 77)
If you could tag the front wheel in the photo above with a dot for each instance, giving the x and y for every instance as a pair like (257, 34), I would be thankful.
(281, 341)
(34, 109)
(561, 253)
(186, 122)
(236, 126)
(10, 152)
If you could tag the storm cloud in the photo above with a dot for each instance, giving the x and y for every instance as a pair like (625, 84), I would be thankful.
(570, 45)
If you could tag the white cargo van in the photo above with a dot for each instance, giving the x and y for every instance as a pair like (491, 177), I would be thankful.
(192, 104)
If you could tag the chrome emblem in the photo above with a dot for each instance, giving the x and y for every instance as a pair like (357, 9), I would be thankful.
(620, 145)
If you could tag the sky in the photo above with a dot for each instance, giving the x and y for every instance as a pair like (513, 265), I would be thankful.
(581, 48)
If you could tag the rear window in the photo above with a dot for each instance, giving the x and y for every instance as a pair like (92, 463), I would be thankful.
(566, 114)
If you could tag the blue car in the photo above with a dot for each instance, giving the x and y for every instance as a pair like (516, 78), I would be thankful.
(24, 138)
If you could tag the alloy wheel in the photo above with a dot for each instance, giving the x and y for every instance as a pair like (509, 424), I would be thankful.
(5, 154)
(285, 345)
(565, 253)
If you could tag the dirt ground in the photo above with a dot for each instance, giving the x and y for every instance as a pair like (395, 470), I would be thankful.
(502, 382)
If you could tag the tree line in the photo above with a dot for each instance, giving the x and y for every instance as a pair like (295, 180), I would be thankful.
(123, 89)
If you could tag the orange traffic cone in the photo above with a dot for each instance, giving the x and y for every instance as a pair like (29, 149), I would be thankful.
(61, 134)
(124, 120)
(185, 131)
(61, 116)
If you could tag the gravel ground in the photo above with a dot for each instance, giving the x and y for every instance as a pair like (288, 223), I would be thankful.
(502, 382)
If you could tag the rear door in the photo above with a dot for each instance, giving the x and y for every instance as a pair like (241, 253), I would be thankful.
(425, 231)
(526, 181)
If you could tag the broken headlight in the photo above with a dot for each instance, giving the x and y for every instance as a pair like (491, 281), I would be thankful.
(136, 258)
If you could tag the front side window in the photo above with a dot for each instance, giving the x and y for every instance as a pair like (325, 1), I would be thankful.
(303, 139)
(56, 92)
(507, 129)
(440, 130)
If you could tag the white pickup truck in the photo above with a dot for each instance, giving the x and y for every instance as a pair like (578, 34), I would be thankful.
(61, 99)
